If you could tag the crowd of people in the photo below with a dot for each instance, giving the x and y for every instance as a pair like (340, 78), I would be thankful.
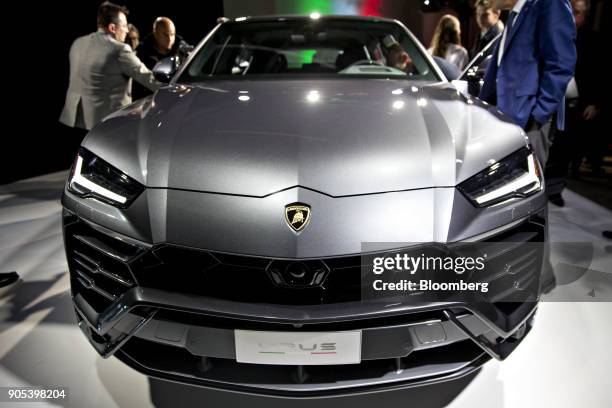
(103, 65)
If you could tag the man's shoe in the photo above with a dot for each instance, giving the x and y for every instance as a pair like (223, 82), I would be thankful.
(557, 200)
(8, 278)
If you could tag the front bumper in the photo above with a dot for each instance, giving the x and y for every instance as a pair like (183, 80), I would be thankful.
(172, 331)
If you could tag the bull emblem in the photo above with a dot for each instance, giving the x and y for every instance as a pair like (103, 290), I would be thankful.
(297, 216)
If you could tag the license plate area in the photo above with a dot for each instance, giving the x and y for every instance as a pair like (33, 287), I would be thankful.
(298, 348)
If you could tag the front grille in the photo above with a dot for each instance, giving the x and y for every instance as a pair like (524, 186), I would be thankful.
(103, 267)
(244, 278)
(248, 279)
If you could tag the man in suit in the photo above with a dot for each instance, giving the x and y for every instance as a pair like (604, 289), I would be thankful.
(101, 70)
(535, 60)
(489, 23)
(583, 102)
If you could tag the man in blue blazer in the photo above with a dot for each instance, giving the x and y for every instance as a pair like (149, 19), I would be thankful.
(532, 65)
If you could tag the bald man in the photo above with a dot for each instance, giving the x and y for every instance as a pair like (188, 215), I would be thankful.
(162, 43)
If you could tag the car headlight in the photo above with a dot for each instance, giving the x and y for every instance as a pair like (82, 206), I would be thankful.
(93, 177)
(518, 175)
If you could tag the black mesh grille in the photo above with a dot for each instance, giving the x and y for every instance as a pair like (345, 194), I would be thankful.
(248, 279)
(105, 267)
(244, 278)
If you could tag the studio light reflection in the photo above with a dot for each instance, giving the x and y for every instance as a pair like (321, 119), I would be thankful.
(313, 96)
(398, 104)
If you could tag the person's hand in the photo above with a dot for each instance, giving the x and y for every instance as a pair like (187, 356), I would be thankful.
(409, 64)
(590, 112)
(532, 125)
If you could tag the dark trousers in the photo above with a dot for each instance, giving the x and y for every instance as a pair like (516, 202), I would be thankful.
(74, 137)
(556, 169)
(578, 140)
(588, 140)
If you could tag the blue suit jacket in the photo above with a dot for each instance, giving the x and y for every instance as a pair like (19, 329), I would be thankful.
(537, 64)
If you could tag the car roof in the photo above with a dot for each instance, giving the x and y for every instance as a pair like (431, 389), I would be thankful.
(305, 17)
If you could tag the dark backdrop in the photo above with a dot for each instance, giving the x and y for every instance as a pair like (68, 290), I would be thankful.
(35, 71)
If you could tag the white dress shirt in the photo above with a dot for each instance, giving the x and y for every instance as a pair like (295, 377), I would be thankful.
(517, 9)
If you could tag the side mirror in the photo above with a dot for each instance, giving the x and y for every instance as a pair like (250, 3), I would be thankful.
(450, 71)
(165, 69)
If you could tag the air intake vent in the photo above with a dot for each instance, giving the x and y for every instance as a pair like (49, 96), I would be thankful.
(99, 264)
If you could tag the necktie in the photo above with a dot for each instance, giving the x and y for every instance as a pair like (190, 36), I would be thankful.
(511, 18)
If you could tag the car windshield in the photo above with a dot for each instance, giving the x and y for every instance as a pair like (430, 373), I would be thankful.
(299, 47)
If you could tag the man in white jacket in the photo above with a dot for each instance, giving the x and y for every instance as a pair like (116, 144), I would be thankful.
(102, 67)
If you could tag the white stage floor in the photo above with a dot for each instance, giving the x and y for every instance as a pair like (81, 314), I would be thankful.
(565, 361)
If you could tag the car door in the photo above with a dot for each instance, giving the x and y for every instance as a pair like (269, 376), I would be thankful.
(472, 78)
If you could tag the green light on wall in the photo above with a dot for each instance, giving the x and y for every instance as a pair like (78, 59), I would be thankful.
(304, 6)
(319, 6)
(307, 56)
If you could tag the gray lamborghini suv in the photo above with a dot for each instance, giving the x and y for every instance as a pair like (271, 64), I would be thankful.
(218, 232)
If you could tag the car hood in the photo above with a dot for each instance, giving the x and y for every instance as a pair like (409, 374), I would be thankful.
(339, 137)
